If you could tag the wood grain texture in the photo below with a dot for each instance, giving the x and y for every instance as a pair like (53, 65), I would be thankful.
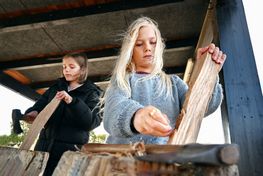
(18, 162)
(243, 93)
(39, 123)
(201, 86)
(213, 154)
(78, 163)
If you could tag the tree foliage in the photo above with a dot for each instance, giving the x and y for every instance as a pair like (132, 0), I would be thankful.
(15, 140)
(100, 138)
(12, 140)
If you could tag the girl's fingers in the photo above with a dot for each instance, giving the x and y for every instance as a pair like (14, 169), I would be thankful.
(158, 123)
(157, 115)
(211, 48)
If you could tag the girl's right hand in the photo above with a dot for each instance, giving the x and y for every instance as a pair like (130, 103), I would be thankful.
(31, 116)
(151, 121)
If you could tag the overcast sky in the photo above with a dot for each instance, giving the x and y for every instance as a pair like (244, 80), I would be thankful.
(253, 10)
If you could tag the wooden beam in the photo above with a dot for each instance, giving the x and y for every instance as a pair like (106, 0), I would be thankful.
(196, 102)
(18, 76)
(18, 87)
(244, 100)
(79, 11)
(56, 57)
(93, 53)
(52, 6)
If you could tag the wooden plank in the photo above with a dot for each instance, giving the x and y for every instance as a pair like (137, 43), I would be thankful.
(243, 95)
(21, 162)
(208, 30)
(196, 102)
(39, 123)
(205, 38)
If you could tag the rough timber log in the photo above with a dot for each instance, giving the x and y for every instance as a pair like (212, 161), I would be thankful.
(201, 86)
(21, 162)
(213, 154)
(109, 159)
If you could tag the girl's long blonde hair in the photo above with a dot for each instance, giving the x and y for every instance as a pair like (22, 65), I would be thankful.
(124, 65)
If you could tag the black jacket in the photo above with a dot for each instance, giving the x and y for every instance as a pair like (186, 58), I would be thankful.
(70, 123)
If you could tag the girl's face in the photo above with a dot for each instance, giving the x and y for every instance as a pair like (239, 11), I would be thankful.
(71, 69)
(143, 51)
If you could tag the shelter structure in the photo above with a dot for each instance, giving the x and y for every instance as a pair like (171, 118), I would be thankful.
(34, 35)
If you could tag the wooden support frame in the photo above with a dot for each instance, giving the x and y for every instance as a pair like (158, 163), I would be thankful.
(244, 100)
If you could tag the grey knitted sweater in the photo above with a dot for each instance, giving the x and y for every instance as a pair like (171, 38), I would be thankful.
(119, 108)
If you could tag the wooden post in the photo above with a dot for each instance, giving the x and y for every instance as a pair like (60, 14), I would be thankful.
(243, 95)
(39, 123)
(201, 86)
(188, 70)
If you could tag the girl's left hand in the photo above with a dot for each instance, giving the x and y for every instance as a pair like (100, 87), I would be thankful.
(63, 95)
(217, 55)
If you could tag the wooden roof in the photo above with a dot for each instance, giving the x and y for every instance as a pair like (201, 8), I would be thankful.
(35, 35)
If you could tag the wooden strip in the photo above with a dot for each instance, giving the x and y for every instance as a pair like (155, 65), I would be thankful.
(201, 86)
(39, 123)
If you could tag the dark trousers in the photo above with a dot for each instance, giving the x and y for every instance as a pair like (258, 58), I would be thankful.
(56, 150)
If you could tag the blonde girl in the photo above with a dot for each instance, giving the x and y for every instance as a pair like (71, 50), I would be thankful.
(142, 101)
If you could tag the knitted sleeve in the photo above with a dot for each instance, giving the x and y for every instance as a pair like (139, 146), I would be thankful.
(118, 112)
(181, 88)
(216, 99)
